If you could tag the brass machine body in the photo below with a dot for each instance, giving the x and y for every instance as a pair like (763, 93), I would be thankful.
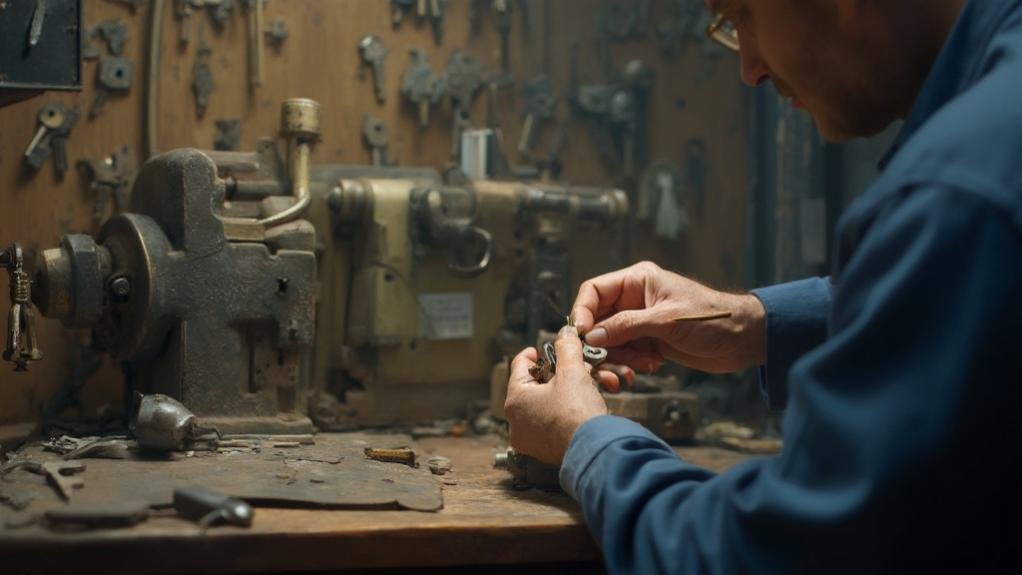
(432, 285)
(197, 306)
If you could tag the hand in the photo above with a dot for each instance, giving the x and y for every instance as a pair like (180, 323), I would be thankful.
(544, 416)
(632, 312)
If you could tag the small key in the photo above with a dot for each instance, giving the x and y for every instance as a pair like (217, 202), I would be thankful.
(421, 86)
(503, 12)
(398, 9)
(374, 54)
(540, 105)
(51, 116)
(375, 133)
(475, 15)
(462, 78)
(58, 141)
(436, 16)
(183, 11)
(624, 117)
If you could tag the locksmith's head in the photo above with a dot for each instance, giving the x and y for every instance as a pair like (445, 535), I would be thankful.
(854, 65)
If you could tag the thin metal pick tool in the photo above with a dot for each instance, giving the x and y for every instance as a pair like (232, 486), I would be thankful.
(704, 317)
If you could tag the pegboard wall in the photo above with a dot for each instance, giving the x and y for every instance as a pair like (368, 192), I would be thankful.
(697, 110)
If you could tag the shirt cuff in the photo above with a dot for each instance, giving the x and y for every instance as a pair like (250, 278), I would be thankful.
(796, 315)
(592, 438)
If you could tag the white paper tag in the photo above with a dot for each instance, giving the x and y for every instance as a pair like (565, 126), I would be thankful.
(444, 316)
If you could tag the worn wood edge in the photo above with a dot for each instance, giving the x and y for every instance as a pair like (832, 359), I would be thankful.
(262, 552)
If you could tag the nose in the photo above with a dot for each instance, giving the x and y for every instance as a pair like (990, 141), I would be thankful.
(754, 71)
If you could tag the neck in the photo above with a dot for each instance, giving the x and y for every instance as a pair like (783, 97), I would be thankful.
(930, 23)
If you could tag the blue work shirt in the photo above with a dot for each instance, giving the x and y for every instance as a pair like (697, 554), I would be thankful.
(899, 374)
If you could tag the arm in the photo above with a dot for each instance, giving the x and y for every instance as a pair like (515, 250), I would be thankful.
(917, 368)
(796, 322)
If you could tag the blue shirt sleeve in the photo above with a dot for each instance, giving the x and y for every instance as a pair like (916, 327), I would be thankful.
(896, 430)
(796, 317)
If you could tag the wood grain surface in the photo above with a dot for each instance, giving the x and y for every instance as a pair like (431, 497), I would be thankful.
(485, 521)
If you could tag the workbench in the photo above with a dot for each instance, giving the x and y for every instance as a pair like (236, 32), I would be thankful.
(485, 521)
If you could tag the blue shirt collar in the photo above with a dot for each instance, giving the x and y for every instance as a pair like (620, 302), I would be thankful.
(958, 66)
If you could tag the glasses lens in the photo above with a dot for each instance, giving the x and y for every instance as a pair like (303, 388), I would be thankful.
(723, 32)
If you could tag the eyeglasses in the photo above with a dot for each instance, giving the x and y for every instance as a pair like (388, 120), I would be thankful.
(722, 30)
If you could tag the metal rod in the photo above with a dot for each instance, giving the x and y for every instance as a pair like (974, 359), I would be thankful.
(704, 317)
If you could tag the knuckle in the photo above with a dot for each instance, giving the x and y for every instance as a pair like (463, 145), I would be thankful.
(648, 267)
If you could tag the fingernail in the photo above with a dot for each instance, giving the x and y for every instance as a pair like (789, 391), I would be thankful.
(597, 337)
(569, 331)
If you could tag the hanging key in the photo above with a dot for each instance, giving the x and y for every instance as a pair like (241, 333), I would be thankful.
(398, 9)
(115, 33)
(115, 75)
(502, 11)
(374, 54)
(375, 133)
(463, 77)
(58, 141)
(540, 105)
(111, 177)
(421, 86)
(496, 158)
(436, 18)
(202, 78)
(50, 117)
(254, 43)
(475, 15)
(183, 12)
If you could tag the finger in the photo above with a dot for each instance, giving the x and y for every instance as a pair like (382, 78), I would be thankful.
(601, 295)
(520, 365)
(609, 381)
(629, 325)
(640, 361)
(625, 374)
(570, 363)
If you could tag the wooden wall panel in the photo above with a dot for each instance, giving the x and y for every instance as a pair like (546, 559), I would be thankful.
(694, 97)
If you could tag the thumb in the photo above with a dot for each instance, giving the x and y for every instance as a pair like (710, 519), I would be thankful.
(626, 326)
(570, 362)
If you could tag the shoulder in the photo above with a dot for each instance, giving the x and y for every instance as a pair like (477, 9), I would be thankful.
(974, 143)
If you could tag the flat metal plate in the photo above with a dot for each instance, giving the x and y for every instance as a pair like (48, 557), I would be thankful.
(55, 62)
(334, 474)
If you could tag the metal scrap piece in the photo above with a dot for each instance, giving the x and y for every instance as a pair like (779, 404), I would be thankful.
(400, 455)
(62, 475)
(17, 500)
(439, 465)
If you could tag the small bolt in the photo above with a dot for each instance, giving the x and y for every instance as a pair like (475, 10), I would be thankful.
(120, 287)
(501, 460)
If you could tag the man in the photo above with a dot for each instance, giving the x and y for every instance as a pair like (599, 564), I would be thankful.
(902, 437)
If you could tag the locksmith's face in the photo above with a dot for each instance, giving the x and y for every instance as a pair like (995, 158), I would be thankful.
(813, 52)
